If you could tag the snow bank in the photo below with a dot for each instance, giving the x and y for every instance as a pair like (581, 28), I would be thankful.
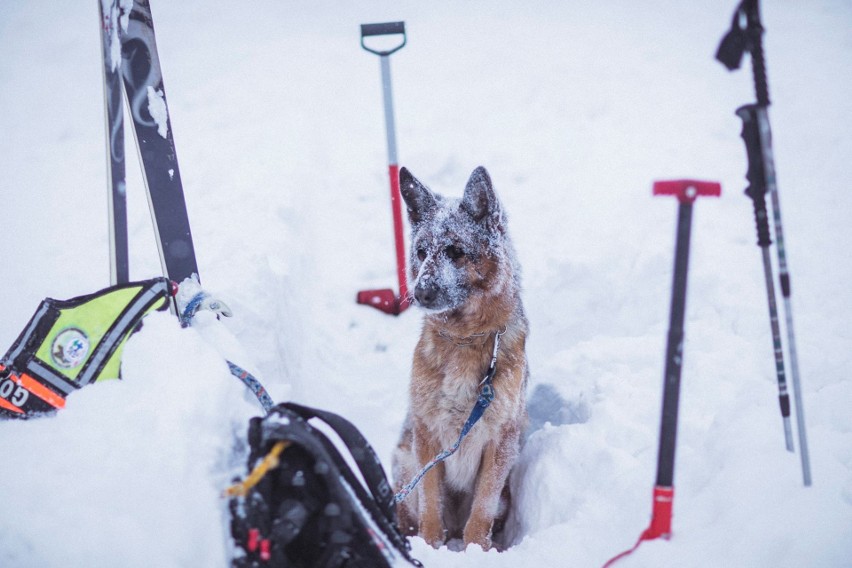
(574, 109)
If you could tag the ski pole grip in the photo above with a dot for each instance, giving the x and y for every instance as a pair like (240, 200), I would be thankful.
(687, 190)
(756, 174)
(387, 28)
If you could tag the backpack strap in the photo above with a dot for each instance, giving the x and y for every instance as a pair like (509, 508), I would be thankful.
(379, 502)
(362, 453)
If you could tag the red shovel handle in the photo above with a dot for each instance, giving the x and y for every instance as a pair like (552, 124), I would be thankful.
(687, 190)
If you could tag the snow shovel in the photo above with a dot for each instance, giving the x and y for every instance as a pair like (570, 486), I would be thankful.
(386, 299)
(686, 191)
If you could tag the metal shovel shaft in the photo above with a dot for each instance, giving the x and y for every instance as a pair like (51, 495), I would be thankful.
(393, 173)
(674, 351)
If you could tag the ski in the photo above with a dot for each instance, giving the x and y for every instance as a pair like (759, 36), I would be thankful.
(148, 108)
(111, 16)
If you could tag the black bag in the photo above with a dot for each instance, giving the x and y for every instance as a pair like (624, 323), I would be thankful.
(304, 507)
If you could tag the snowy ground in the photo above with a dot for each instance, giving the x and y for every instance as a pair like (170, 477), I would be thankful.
(575, 108)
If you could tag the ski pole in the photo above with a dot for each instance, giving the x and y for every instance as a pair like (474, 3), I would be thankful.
(686, 191)
(386, 300)
(746, 34)
(757, 192)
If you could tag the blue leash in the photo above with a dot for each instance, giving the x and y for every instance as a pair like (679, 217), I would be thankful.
(253, 384)
(247, 378)
(486, 396)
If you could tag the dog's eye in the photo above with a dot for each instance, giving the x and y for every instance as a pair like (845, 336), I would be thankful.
(454, 252)
(421, 254)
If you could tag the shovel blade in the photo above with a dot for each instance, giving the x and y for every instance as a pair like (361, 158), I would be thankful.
(385, 300)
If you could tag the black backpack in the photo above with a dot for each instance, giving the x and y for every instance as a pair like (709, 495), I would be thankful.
(302, 506)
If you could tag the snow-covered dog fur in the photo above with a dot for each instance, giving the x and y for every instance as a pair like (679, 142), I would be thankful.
(465, 276)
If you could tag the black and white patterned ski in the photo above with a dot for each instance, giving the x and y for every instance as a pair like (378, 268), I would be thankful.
(111, 23)
(131, 23)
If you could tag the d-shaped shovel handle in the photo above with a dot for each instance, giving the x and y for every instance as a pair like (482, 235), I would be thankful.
(387, 28)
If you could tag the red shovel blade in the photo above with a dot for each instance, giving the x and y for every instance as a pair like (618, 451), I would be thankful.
(385, 300)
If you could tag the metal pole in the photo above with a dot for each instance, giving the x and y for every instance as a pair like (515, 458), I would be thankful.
(387, 93)
(674, 351)
(756, 191)
(393, 173)
(784, 275)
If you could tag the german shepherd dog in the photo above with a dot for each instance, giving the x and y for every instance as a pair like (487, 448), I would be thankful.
(465, 276)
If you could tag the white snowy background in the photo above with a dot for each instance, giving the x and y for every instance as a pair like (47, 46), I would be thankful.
(575, 108)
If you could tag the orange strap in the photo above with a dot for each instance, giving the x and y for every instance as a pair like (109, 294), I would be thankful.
(9, 406)
(34, 387)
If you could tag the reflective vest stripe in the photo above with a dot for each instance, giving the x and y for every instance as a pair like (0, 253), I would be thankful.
(110, 341)
(48, 375)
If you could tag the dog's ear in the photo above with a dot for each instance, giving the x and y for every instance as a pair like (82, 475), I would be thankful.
(480, 201)
(420, 201)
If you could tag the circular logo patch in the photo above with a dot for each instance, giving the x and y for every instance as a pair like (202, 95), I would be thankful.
(70, 348)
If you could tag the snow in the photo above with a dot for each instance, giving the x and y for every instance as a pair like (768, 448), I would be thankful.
(158, 111)
(575, 109)
(113, 18)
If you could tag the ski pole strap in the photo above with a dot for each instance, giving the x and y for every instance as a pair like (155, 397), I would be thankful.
(483, 401)
(746, 35)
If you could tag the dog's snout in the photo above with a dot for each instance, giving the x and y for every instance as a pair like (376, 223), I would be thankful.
(426, 294)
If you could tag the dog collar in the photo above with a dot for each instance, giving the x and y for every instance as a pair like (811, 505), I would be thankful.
(470, 339)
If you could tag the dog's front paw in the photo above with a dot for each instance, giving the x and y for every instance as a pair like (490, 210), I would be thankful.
(478, 532)
(433, 533)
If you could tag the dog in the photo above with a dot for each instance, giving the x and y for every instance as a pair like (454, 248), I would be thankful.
(465, 276)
